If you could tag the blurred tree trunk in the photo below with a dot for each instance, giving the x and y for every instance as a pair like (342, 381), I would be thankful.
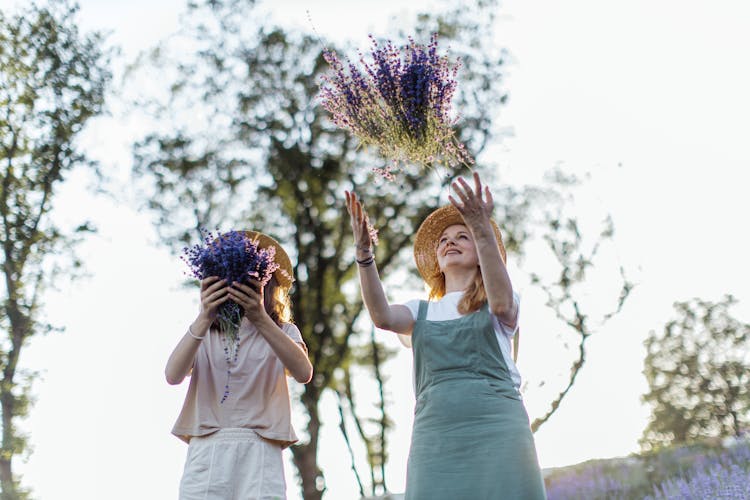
(305, 456)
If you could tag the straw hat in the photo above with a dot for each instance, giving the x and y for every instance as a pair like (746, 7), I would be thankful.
(428, 234)
(285, 273)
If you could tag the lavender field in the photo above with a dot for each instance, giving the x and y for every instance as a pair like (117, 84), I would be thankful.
(700, 471)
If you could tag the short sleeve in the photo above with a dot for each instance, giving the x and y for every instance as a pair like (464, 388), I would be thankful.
(292, 332)
(413, 306)
(508, 331)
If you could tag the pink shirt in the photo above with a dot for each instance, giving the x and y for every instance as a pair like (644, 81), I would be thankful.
(259, 395)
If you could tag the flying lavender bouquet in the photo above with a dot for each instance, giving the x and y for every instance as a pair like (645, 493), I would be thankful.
(399, 103)
(235, 257)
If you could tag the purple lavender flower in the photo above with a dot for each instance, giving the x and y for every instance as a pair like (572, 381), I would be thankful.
(594, 481)
(722, 476)
(689, 472)
(232, 256)
(400, 102)
(730, 482)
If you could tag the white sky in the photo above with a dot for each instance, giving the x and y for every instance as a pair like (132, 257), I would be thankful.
(659, 87)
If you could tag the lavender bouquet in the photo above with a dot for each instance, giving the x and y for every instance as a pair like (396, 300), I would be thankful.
(235, 257)
(399, 103)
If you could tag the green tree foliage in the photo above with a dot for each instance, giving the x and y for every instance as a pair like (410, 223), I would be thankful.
(52, 80)
(698, 372)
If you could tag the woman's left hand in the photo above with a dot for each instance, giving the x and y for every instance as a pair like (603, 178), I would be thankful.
(475, 209)
(250, 298)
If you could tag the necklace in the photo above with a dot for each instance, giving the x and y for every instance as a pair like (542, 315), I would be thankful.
(231, 343)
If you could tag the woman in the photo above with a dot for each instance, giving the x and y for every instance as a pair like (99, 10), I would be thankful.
(471, 436)
(236, 415)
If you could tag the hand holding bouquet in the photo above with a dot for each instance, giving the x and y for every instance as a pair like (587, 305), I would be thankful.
(399, 103)
(235, 258)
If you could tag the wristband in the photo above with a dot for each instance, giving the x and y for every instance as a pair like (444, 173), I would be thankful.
(366, 262)
(190, 332)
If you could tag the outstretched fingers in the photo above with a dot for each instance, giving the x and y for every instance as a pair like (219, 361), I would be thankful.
(477, 185)
(487, 200)
(490, 202)
(463, 191)
(478, 195)
(359, 219)
(353, 206)
(350, 197)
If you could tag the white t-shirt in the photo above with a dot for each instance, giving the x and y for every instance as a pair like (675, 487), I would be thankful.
(447, 308)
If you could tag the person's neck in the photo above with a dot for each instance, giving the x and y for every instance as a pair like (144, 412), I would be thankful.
(458, 281)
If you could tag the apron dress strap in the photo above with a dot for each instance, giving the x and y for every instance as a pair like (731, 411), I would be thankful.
(422, 314)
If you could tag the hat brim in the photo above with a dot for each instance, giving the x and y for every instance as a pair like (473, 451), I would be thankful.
(426, 240)
(285, 273)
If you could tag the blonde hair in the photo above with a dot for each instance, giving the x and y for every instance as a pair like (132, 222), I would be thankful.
(277, 302)
(473, 298)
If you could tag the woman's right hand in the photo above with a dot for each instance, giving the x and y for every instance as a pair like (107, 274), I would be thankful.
(396, 318)
(360, 224)
(214, 292)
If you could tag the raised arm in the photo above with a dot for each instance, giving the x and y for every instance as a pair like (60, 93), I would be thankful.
(477, 212)
(396, 318)
(291, 354)
(214, 292)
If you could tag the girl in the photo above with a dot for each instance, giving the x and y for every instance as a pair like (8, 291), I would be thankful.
(471, 436)
(236, 415)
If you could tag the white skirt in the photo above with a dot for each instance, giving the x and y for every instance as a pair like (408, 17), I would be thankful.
(233, 464)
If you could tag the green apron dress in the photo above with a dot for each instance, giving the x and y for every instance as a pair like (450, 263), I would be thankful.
(471, 438)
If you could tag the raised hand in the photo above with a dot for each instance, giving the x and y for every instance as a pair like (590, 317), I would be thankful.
(360, 223)
(475, 209)
(214, 292)
(250, 298)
